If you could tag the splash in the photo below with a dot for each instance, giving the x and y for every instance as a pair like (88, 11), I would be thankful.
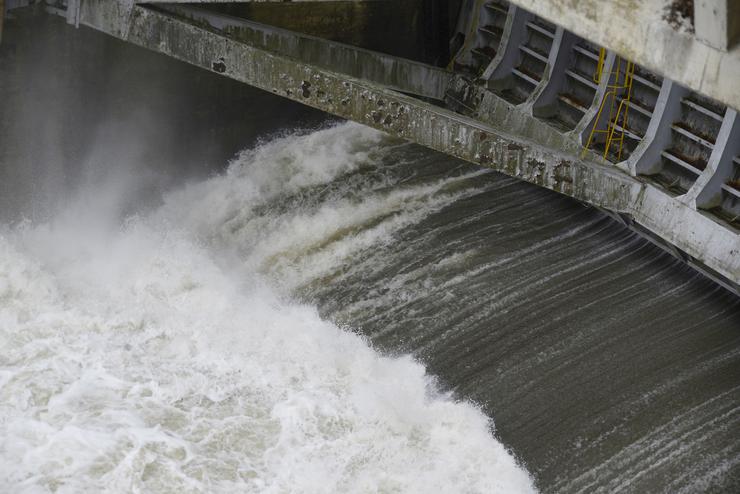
(164, 353)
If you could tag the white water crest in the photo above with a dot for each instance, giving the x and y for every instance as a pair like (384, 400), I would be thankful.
(164, 353)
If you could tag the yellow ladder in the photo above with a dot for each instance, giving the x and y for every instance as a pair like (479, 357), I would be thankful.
(621, 85)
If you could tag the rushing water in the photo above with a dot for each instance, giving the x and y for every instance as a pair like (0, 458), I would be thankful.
(336, 311)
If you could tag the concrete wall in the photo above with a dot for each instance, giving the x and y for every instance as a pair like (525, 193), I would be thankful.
(395, 72)
(695, 237)
(636, 30)
(394, 27)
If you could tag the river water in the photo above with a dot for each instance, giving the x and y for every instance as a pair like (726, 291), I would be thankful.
(205, 288)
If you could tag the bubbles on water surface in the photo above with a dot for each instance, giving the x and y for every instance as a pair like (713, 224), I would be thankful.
(165, 353)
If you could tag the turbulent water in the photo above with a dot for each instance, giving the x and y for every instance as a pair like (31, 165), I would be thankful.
(165, 354)
(335, 311)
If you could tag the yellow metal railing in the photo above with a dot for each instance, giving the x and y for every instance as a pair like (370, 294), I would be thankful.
(620, 84)
(600, 66)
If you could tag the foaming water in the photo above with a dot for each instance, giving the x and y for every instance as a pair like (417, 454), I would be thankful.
(165, 353)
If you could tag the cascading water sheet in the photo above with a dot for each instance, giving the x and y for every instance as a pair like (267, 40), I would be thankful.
(164, 352)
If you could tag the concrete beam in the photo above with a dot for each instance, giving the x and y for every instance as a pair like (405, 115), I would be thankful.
(717, 22)
(637, 31)
(698, 238)
(398, 73)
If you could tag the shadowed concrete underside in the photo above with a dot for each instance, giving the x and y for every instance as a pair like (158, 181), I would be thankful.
(507, 138)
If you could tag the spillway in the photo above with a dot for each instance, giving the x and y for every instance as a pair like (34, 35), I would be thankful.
(300, 304)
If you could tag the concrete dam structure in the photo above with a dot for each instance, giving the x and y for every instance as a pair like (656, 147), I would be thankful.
(208, 285)
(630, 107)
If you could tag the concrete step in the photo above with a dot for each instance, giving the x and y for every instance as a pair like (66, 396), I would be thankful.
(540, 29)
(731, 190)
(535, 54)
(493, 31)
(645, 82)
(494, 7)
(628, 133)
(484, 53)
(583, 79)
(702, 109)
(685, 131)
(634, 105)
(529, 77)
(572, 102)
(586, 52)
(676, 158)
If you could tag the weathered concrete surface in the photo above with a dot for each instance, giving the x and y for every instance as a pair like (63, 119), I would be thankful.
(635, 30)
(395, 27)
(394, 72)
(697, 238)
(716, 22)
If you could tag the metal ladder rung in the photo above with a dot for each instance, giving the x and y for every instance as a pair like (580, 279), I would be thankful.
(529, 51)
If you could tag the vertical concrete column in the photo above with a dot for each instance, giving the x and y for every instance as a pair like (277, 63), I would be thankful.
(543, 105)
(552, 62)
(73, 12)
(717, 22)
(515, 33)
(706, 192)
(467, 23)
(646, 158)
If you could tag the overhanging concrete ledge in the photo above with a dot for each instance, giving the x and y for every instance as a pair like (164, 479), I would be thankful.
(635, 30)
(695, 237)
(398, 73)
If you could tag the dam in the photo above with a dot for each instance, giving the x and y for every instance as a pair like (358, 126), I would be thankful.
(213, 280)
(635, 116)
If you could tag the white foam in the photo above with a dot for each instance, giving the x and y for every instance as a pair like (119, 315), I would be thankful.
(138, 359)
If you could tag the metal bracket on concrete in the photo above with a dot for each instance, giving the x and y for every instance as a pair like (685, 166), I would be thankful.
(706, 192)
(646, 158)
